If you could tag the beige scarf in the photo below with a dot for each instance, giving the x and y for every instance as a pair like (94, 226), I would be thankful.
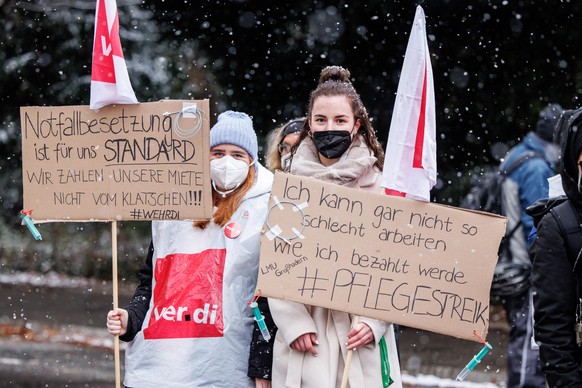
(357, 162)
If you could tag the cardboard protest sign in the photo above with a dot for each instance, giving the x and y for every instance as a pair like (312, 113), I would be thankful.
(122, 162)
(414, 263)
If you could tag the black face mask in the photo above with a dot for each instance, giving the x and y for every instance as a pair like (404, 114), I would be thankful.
(332, 144)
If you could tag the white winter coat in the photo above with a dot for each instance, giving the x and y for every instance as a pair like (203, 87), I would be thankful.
(293, 369)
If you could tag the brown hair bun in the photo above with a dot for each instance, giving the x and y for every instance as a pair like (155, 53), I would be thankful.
(334, 73)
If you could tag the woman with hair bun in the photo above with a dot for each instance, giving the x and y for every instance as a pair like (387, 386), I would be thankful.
(337, 144)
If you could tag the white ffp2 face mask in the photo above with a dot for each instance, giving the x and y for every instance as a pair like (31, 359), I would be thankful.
(227, 174)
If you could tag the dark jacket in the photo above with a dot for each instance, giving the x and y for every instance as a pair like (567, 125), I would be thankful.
(140, 303)
(261, 352)
(555, 284)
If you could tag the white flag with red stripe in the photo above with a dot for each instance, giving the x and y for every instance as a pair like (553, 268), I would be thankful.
(109, 78)
(410, 163)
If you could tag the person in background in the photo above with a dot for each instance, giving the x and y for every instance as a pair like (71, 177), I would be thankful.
(281, 140)
(531, 179)
(337, 144)
(189, 324)
(556, 275)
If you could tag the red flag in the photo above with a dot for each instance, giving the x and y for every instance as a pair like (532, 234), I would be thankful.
(410, 163)
(109, 78)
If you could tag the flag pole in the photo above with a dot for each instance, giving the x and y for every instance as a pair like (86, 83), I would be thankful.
(349, 357)
(115, 299)
(411, 169)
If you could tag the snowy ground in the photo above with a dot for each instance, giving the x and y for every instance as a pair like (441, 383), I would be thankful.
(52, 334)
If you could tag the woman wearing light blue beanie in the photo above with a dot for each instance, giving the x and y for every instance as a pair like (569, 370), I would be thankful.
(188, 324)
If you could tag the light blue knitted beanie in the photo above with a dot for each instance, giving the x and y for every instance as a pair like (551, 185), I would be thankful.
(235, 128)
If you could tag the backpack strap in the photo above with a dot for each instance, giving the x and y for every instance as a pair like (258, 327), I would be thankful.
(509, 234)
(570, 227)
(530, 154)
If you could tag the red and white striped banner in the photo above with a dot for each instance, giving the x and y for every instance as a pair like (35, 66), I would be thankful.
(109, 78)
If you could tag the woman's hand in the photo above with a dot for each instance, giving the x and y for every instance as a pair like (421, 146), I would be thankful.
(117, 321)
(305, 343)
(360, 335)
(262, 383)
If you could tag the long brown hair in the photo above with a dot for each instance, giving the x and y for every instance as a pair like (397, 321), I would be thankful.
(226, 206)
(273, 159)
(335, 81)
